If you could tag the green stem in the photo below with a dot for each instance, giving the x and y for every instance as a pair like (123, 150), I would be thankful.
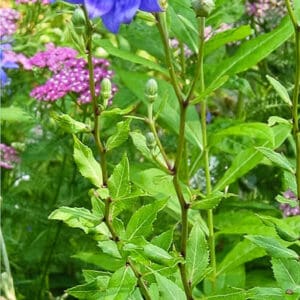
(295, 100)
(151, 122)
(10, 292)
(183, 105)
(203, 106)
(141, 283)
(199, 75)
(162, 27)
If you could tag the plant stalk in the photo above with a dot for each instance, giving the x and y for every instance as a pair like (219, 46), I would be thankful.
(295, 100)
(183, 105)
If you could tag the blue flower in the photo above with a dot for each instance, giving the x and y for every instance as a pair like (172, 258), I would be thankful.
(6, 65)
(115, 12)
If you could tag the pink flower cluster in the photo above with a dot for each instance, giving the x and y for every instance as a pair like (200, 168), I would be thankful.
(8, 156)
(264, 10)
(8, 20)
(70, 74)
(286, 208)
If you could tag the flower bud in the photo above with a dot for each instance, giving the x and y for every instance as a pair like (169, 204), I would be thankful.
(203, 8)
(151, 90)
(78, 18)
(105, 91)
(150, 140)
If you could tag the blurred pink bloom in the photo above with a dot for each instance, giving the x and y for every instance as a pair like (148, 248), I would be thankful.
(8, 156)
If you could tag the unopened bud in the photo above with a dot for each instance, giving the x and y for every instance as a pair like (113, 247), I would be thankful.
(151, 90)
(78, 18)
(150, 140)
(105, 91)
(203, 8)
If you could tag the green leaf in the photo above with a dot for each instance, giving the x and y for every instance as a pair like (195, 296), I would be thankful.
(272, 246)
(68, 124)
(159, 255)
(254, 130)
(140, 224)
(14, 114)
(86, 163)
(297, 10)
(249, 158)
(197, 257)
(91, 290)
(110, 247)
(164, 240)
(210, 89)
(280, 89)
(118, 183)
(241, 253)
(277, 158)
(225, 37)
(120, 136)
(209, 202)
(90, 275)
(168, 289)
(265, 293)
(287, 273)
(253, 51)
(129, 56)
(75, 217)
(240, 295)
(121, 284)
(101, 260)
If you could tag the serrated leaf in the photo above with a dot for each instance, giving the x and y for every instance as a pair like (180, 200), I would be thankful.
(118, 183)
(68, 124)
(164, 240)
(120, 136)
(159, 255)
(240, 295)
(109, 247)
(90, 275)
(168, 289)
(287, 273)
(280, 89)
(209, 202)
(277, 158)
(140, 224)
(101, 260)
(90, 290)
(75, 217)
(86, 163)
(265, 293)
(241, 253)
(197, 257)
(121, 284)
(272, 246)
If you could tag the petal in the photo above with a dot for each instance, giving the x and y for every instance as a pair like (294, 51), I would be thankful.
(75, 1)
(98, 8)
(10, 65)
(3, 77)
(122, 12)
(150, 6)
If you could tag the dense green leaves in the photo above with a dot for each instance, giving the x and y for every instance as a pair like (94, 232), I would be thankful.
(281, 90)
(120, 136)
(86, 163)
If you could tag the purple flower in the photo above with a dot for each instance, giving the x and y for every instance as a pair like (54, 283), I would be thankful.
(5, 64)
(115, 12)
(70, 74)
(8, 156)
(287, 209)
(8, 19)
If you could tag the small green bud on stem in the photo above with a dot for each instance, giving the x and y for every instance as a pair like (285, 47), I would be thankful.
(78, 20)
(151, 90)
(203, 8)
(105, 91)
